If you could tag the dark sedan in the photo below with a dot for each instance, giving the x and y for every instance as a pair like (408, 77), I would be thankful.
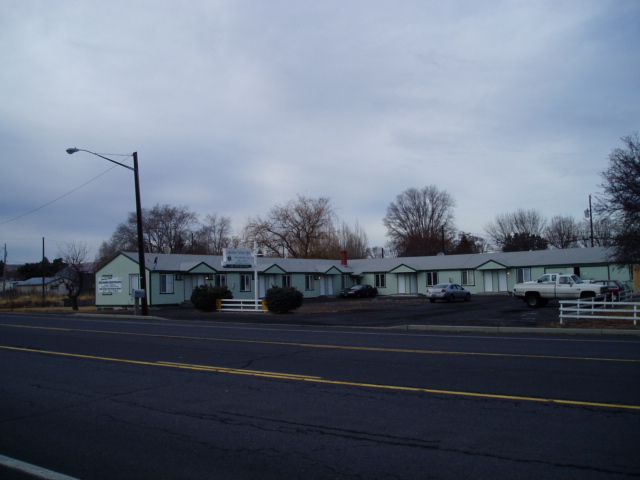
(359, 291)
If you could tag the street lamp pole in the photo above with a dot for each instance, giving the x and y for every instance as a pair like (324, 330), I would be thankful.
(141, 261)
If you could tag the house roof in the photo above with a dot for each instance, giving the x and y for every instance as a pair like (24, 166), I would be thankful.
(36, 281)
(573, 256)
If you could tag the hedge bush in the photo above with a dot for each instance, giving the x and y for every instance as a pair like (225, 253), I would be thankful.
(205, 297)
(283, 299)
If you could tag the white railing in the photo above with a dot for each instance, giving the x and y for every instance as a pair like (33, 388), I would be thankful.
(241, 306)
(603, 309)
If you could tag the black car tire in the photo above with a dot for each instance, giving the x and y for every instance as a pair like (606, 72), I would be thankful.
(432, 300)
(467, 298)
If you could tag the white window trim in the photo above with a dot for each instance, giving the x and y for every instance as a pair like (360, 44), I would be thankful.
(166, 283)
(468, 277)
(309, 283)
(245, 282)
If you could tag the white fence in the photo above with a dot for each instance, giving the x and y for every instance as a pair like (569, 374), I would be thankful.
(628, 309)
(241, 306)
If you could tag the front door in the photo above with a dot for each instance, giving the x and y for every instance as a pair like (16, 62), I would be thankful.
(488, 281)
(402, 284)
(502, 280)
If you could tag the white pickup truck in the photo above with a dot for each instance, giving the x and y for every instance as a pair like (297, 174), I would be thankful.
(556, 286)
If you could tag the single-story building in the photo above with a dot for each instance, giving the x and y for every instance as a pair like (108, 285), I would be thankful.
(34, 286)
(171, 278)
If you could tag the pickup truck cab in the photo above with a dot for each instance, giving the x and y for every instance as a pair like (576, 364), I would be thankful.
(556, 286)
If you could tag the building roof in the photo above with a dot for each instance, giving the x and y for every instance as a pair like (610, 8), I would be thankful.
(36, 281)
(560, 257)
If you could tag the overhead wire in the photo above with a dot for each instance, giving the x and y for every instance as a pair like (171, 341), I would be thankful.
(58, 198)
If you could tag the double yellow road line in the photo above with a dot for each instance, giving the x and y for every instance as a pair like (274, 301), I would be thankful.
(314, 379)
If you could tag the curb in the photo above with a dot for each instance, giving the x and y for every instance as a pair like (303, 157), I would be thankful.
(132, 317)
(433, 328)
(543, 330)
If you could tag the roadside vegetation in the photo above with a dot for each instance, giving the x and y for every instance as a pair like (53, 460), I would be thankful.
(52, 302)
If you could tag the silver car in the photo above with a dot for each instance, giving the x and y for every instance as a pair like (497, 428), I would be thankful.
(448, 292)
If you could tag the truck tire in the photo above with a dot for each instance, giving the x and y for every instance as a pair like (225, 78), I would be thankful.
(533, 300)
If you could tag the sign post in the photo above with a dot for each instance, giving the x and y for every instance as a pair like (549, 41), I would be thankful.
(243, 258)
(255, 271)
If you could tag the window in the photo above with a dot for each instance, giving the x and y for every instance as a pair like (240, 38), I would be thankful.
(345, 281)
(245, 282)
(432, 278)
(309, 283)
(523, 275)
(468, 277)
(286, 280)
(134, 283)
(381, 280)
(166, 283)
(221, 279)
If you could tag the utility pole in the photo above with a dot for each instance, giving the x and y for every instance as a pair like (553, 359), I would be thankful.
(4, 271)
(43, 267)
(591, 220)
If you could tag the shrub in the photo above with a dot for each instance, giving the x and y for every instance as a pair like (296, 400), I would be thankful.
(205, 297)
(283, 299)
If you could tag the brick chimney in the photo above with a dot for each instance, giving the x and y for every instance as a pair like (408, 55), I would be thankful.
(343, 257)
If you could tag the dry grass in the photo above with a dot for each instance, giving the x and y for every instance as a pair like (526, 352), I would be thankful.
(53, 303)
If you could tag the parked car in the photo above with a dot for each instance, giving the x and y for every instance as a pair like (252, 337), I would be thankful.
(448, 292)
(616, 289)
(359, 291)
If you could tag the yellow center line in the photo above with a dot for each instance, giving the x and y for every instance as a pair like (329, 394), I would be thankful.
(333, 347)
(306, 378)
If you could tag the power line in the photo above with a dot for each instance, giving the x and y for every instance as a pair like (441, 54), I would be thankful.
(59, 198)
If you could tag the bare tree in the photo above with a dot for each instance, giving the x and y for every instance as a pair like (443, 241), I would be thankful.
(301, 228)
(621, 198)
(75, 256)
(213, 235)
(420, 222)
(469, 243)
(169, 229)
(166, 229)
(563, 232)
(525, 227)
(354, 241)
(605, 232)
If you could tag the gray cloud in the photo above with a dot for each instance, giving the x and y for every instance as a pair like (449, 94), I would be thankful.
(234, 107)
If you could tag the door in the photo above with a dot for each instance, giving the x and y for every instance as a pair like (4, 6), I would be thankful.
(402, 283)
(414, 282)
(329, 280)
(502, 281)
(488, 281)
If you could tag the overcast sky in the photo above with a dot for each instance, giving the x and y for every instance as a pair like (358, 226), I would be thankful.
(237, 106)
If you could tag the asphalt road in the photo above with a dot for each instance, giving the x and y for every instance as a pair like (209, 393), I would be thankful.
(148, 399)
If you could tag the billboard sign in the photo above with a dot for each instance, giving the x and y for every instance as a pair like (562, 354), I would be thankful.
(237, 258)
(108, 285)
